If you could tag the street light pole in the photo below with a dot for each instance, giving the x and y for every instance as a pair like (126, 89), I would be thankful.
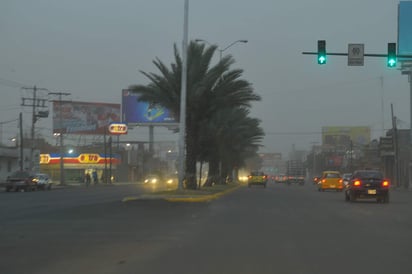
(222, 50)
(182, 117)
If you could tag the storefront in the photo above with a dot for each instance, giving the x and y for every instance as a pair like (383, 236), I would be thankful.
(77, 166)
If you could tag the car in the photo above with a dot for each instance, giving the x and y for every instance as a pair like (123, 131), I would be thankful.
(346, 179)
(257, 178)
(316, 179)
(368, 184)
(171, 180)
(330, 180)
(43, 181)
(152, 179)
(21, 180)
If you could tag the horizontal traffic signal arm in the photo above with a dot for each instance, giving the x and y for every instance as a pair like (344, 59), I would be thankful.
(366, 54)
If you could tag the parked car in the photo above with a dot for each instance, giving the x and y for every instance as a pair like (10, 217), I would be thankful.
(21, 181)
(368, 184)
(43, 181)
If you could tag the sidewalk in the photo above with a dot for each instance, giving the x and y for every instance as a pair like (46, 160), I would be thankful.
(72, 185)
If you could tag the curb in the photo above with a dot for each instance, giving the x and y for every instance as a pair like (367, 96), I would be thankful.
(191, 199)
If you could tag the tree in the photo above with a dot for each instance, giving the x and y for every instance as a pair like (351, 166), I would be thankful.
(204, 83)
(228, 139)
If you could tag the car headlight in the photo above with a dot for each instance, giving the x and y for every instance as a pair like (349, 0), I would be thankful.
(154, 181)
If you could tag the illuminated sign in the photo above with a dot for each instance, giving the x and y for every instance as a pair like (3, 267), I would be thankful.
(89, 158)
(44, 158)
(144, 113)
(80, 160)
(118, 128)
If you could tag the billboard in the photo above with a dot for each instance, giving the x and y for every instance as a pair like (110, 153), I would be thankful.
(143, 113)
(404, 28)
(83, 118)
(343, 136)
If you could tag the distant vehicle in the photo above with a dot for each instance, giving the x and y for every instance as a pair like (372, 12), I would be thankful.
(316, 179)
(152, 179)
(257, 178)
(281, 178)
(295, 172)
(369, 184)
(21, 181)
(330, 180)
(43, 181)
(346, 179)
(171, 180)
(242, 178)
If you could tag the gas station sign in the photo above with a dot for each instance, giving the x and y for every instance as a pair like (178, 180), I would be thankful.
(118, 128)
(89, 158)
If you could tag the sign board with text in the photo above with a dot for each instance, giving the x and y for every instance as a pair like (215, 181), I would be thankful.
(356, 54)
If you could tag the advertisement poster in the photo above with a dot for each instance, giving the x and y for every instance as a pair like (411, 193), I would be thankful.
(83, 117)
(343, 136)
(140, 113)
(404, 28)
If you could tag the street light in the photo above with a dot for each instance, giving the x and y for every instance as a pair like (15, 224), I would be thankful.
(219, 49)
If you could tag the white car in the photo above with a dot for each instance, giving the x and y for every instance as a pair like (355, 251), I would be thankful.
(43, 181)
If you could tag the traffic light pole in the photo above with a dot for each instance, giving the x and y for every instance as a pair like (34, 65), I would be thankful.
(366, 54)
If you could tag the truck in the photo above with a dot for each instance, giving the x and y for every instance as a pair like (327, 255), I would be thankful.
(295, 172)
(257, 178)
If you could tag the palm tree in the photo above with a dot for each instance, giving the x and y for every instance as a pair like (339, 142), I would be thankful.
(228, 138)
(203, 83)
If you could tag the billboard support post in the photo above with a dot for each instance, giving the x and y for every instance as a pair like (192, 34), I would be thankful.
(62, 181)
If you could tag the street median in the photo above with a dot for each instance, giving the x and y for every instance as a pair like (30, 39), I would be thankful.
(205, 194)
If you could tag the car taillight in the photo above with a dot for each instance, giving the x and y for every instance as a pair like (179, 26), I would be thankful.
(385, 183)
(357, 183)
(340, 181)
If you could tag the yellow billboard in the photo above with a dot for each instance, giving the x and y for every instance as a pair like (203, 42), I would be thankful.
(343, 136)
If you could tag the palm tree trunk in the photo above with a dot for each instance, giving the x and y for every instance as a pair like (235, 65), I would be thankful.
(213, 174)
(191, 156)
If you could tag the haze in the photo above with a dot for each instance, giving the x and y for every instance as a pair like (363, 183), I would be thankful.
(95, 48)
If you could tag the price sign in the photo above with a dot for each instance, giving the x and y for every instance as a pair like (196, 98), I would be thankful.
(118, 128)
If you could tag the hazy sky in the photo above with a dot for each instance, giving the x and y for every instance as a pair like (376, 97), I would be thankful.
(94, 48)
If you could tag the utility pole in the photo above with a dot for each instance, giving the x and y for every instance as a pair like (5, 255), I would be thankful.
(395, 148)
(34, 103)
(60, 94)
(21, 140)
(382, 106)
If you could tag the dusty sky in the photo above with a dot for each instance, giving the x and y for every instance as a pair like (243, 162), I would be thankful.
(94, 48)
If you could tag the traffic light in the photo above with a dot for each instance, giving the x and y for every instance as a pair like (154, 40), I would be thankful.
(321, 52)
(391, 61)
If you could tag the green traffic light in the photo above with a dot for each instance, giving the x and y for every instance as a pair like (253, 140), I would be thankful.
(321, 60)
(391, 63)
(321, 52)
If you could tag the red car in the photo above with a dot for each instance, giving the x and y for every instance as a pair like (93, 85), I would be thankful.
(368, 184)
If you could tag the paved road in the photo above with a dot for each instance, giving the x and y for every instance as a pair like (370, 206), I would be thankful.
(280, 229)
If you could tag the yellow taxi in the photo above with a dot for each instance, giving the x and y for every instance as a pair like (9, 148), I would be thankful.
(330, 180)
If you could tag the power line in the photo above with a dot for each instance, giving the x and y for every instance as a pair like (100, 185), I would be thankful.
(10, 83)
